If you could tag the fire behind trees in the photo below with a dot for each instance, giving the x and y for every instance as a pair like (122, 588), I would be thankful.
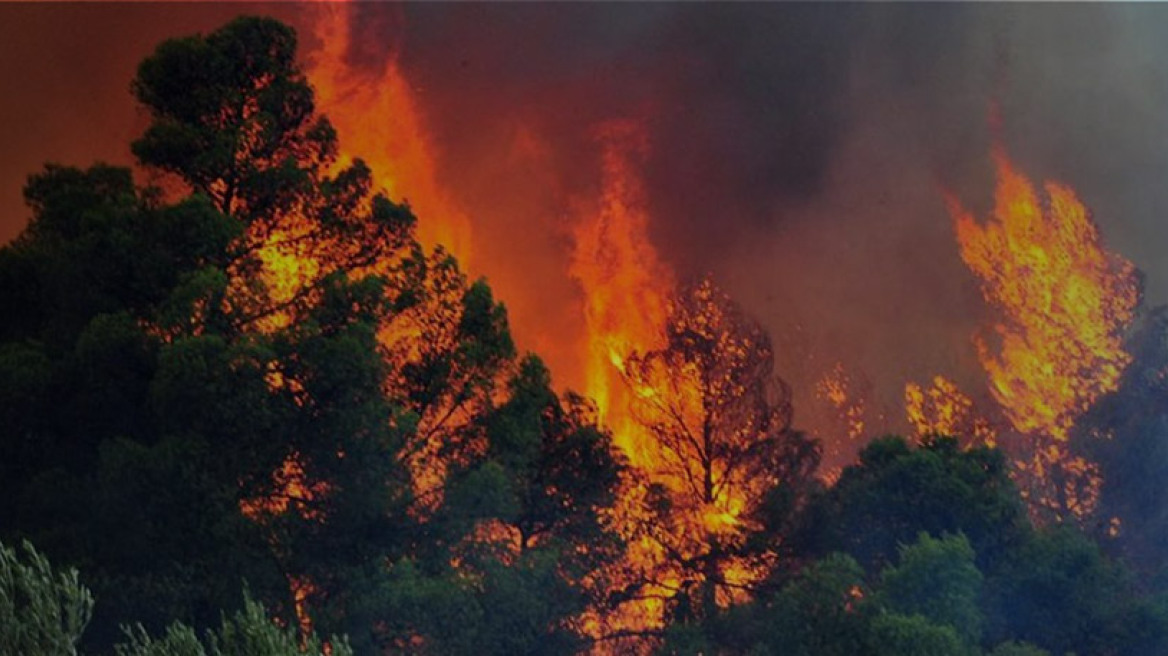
(724, 456)
(261, 377)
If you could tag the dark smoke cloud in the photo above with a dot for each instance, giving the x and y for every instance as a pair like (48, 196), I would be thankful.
(798, 150)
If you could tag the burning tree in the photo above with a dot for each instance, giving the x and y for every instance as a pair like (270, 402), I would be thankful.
(1064, 303)
(724, 455)
(273, 380)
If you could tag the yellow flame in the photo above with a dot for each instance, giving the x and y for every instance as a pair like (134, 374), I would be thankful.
(1064, 302)
(943, 409)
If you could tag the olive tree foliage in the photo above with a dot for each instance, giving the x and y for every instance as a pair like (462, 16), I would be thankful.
(42, 612)
(249, 632)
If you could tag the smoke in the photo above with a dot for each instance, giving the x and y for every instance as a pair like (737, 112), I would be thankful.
(798, 151)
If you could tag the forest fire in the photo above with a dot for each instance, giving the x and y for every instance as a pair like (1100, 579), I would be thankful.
(943, 409)
(1048, 372)
(626, 285)
(672, 370)
(378, 119)
(627, 291)
(1064, 302)
(738, 411)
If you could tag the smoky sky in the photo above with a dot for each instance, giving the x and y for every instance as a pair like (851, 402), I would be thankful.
(798, 152)
(740, 100)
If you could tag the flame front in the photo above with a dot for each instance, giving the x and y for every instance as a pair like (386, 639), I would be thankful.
(1064, 302)
(626, 289)
(377, 117)
(626, 286)
(629, 294)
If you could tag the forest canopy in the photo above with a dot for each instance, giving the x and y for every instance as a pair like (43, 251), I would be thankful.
(246, 409)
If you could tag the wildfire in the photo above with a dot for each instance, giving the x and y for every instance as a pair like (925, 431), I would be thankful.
(943, 409)
(626, 289)
(1064, 302)
(650, 398)
(376, 115)
(1064, 299)
(626, 286)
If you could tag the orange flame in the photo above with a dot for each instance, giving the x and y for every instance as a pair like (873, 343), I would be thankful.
(943, 409)
(626, 289)
(1064, 299)
(628, 298)
(377, 117)
(1064, 302)
(626, 286)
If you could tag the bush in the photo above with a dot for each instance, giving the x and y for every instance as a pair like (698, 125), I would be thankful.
(41, 611)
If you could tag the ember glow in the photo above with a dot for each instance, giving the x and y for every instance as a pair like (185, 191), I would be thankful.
(943, 409)
(838, 389)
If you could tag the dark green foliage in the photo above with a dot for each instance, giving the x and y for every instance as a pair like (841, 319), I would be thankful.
(897, 492)
(546, 475)
(234, 118)
(828, 609)
(97, 244)
(682, 639)
(1126, 433)
(936, 579)
(820, 612)
(112, 460)
(1059, 592)
(913, 635)
(143, 412)
(491, 607)
(560, 467)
